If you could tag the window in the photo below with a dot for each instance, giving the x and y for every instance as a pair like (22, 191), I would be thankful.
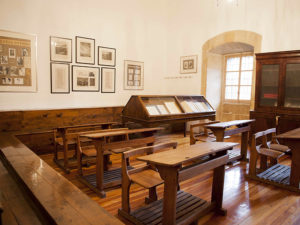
(238, 77)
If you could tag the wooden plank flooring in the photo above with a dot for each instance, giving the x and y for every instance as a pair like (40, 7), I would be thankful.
(247, 201)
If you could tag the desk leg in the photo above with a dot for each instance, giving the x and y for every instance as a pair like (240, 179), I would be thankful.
(217, 189)
(219, 133)
(170, 176)
(295, 167)
(66, 159)
(244, 145)
(99, 168)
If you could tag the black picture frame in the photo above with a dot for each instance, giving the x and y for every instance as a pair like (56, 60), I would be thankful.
(84, 59)
(75, 88)
(103, 62)
(103, 82)
(57, 59)
(52, 77)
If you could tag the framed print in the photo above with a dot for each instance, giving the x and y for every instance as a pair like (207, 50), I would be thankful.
(106, 56)
(108, 80)
(188, 64)
(17, 62)
(134, 75)
(60, 49)
(60, 77)
(85, 50)
(85, 78)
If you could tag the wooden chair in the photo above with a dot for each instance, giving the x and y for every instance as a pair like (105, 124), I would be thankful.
(274, 144)
(263, 151)
(143, 175)
(86, 151)
(205, 136)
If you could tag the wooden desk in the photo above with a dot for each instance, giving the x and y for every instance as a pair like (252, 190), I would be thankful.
(63, 131)
(242, 126)
(105, 179)
(178, 207)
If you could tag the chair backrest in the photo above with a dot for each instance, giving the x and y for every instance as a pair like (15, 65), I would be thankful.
(271, 133)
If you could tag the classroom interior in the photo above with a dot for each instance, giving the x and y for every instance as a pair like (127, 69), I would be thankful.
(149, 112)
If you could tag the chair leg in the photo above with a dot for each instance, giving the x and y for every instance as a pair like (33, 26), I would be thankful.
(273, 161)
(105, 162)
(152, 195)
(263, 162)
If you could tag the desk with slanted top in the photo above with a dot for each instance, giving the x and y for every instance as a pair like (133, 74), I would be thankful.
(178, 207)
(221, 130)
(110, 178)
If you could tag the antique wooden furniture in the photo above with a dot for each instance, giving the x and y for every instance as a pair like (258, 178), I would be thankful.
(273, 143)
(154, 110)
(205, 136)
(131, 138)
(67, 135)
(1, 208)
(53, 198)
(144, 175)
(277, 91)
(221, 130)
(178, 207)
(281, 175)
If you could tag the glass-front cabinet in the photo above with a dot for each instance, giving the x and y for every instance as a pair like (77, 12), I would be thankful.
(292, 85)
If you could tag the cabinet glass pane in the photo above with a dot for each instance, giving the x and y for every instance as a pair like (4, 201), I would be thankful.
(269, 85)
(161, 105)
(292, 86)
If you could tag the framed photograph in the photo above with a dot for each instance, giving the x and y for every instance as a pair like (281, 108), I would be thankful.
(106, 56)
(17, 62)
(60, 49)
(85, 50)
(60, 78)
(134, 75)
(108, 80)
(188, 64)
(85, 78)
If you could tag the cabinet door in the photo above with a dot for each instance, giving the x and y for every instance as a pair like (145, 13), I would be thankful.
(269, 85)
(292, 85)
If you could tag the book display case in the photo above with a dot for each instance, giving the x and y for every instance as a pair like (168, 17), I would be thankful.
(155, 110)
(277, 91)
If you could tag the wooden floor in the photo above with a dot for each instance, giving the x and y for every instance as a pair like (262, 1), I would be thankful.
(247, 201)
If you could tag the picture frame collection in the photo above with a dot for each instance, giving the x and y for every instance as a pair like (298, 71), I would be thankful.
(86, 77)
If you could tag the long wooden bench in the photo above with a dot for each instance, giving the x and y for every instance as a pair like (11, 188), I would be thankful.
(55, 200)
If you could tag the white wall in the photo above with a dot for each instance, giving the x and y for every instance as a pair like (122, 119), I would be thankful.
(156, 32)
(136, 28)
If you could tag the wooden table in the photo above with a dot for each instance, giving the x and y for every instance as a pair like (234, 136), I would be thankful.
(63, 131)
(178, 207)
(221, 130)
(110, 178)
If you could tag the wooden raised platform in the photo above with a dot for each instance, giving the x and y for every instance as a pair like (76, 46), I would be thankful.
(186, 205)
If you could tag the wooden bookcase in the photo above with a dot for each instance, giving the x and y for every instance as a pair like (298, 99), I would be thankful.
(155, 110)
(277, 92)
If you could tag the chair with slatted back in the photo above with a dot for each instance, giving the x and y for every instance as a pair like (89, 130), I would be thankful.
(143, 174)
(274, 144)
(204, 136)
(263, 151)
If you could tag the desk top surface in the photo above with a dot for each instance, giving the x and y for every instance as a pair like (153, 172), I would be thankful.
(184, 154)
(120, 132)
(292, 134)
(229, 123)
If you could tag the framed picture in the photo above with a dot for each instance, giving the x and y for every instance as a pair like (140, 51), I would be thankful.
(60, 49)
(134, 75)
(106, 56)
(17, 62)
(188, 64)
(85, 50)
(108, 80)
(60, 77)
(85, 78)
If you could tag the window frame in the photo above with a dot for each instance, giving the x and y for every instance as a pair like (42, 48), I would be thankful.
(240, 55)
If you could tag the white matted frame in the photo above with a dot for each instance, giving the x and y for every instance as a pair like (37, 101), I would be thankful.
(60, 49)
(60, 78)
(106, 56)
(133, 75)
(17, 62)
(108, 80)
(85, 78)
(188, 64)
(85, 50)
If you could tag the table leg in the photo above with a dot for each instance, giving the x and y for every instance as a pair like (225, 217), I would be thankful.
(217, 189)
(99, 168)
(219, 133)
(170, 176)
(66, 159)
(244, 145)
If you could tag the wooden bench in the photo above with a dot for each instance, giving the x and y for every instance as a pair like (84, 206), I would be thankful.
(55, 199)
(205, 136)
